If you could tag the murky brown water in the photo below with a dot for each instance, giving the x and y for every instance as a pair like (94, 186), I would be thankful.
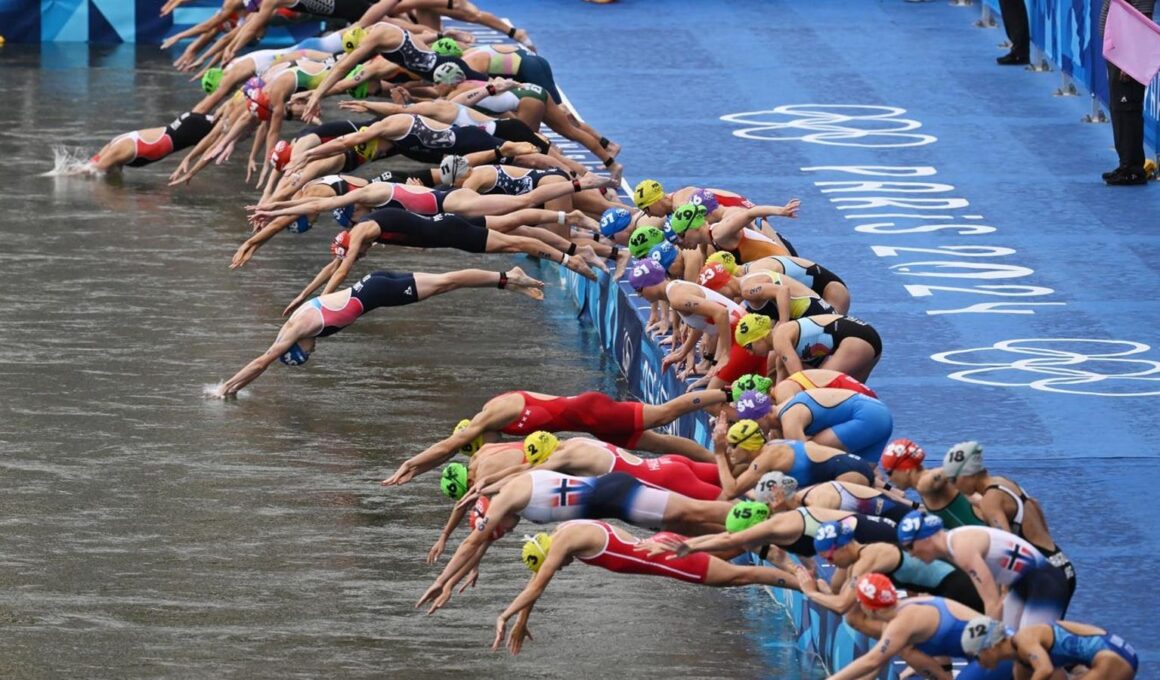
(149, 532)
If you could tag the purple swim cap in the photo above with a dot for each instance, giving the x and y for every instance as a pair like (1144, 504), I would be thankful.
(753, 405)
(645, 272)
(706, 198)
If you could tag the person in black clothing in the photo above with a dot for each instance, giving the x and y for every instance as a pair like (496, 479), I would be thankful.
(1014, 14)
(1126, 104)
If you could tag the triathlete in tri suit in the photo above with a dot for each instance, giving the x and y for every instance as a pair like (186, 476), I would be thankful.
(506, 178)
(774, 295)
(542, 496)
(219, 83)
(328, 314)
(395, 44)
(1015, 580)
(781, 492)
(649, 195)
(285, 151)
(1040, 650)
(757, 529)
(429, 13)
(732, 233)
(817, 378)
(841, 419)
(902, 461)
(270, 102)
(142, 147)
(627, 424)
(822, 281)
(836, 544)
(840, 343)
(918, 629)
(486, 462)
(400, 227)
(262, 11)
(1004, 504)
(600, 544)
(808, 463)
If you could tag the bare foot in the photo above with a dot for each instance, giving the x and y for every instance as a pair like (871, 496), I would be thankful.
(519, 282)
(622, 260)
(617, 171)
(613, 149)
(590, 256)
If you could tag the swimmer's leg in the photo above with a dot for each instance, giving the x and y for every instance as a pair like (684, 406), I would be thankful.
(515, 280)
(667, 443)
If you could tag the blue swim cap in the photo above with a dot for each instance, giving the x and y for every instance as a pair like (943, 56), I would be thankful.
(833, 535)
(343, 216)
(670, 235)
(300, 225)
(916, 526)
(614, 221)
(295, 356)
(665, 253)
(753, 405)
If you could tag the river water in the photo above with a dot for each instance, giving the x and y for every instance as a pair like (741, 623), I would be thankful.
(151, 532)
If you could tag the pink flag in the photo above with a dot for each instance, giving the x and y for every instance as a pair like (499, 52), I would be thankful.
(1132, 42)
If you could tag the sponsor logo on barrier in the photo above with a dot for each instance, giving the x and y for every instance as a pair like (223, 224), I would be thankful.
(856, 125)
(1085, 366)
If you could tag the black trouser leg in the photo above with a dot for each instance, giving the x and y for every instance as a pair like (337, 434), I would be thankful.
(1126, 102)
(1014, 14)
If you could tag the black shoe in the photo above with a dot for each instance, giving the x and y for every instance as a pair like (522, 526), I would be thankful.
(1013, 59)
(1113, 173)
(1127, 177)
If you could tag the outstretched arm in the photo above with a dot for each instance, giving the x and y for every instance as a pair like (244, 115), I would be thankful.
(893, 641)
(737, 219)
(524, 602)
(491, 418)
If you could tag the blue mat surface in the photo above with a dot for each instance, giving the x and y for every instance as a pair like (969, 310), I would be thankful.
(1016, 294)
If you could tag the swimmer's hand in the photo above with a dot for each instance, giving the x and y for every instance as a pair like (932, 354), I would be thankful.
(294, 304)
(242, 255)
(519, 632)
(472, 578)
(658, 545)
(354, 105)
(437, 549)
(403, 475)
(790, 209)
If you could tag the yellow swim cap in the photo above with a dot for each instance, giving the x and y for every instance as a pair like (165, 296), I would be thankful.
(746, 434)
(725, 259)
(752, 327)
(474, 445)
(536, 551)
(352, 37)
(539, 445)
(647, 192)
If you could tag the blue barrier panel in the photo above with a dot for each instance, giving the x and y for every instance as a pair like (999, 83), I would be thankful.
(1068, 33)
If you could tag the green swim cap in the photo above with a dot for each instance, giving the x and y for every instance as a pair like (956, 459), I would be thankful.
(453, 481)
(688, 216)
(643, 239)
(751, 381)
(212, 80)
(359, 91)
(746, 514)
(447, 47)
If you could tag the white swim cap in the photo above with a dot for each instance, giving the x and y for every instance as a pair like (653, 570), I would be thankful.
(770, 482)
(981, 633)
(963, 459)
(448, 74)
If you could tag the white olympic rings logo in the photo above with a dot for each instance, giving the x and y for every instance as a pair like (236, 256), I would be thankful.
(857, 125)
(1065, 370)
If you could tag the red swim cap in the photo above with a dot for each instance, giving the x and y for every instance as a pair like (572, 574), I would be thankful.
(258, 104)
(902, 454)
(340, 246)
(478, 511)
(280, 156)
(875, 591)
(714, 276)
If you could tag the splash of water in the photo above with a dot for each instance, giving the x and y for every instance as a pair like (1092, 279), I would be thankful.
(68, 162)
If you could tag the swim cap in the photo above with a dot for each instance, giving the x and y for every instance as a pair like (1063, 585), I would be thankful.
(352, 37)
(614, 221)
(535, 551)
(902, 454)
(448, 73)
(746, 434)
(981, 633)
(472, 446)
(744, 515)
(875, 591)
(452, 168)
(963, 459)
(753, 405)
(295, 356)
(478, 512)
(344, 215)
(916, 526)
(751, 381)
(770, 482)
(447, 47)
(647, 192)
(714, 276)
(212, 80)
(725, 259)
(300, 225)
(280, 156)
(688, 216)
(258, 104)
(664, 253)
(253, 5)
(643, 239)
(453, 481)
(645, 273)
(340, 245)
(706, 198)
(252, 85)
(833, 535)
(670, 235)
(538, 446)
(751, 328)
(361, 90)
